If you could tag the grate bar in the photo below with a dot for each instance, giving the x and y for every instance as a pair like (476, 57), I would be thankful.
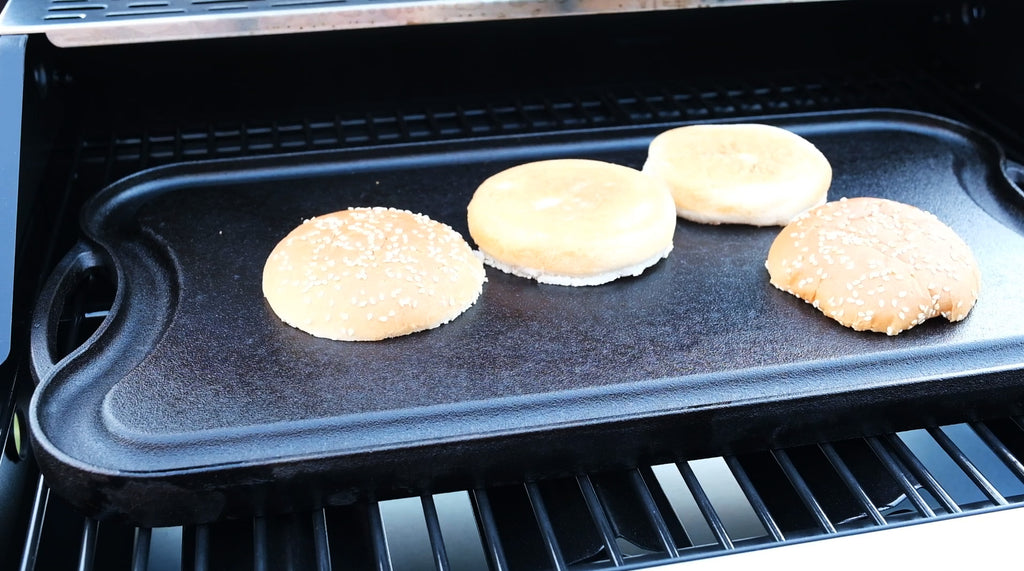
(492, 116)
(35, 527)
(87, 550)
(704, 504)
(307, 133)
(243, 139)
(275, 134)
(846, 475)
(111, 159)
(704, 108)
(524, 116)
(467, 129)
(431, 120)
(144, 149)
(371, 129)
(729, 104)
(900, 474)
(339, 130)
(211, 140)
(61, 214)
(600, 518)
(547, 530)
(610, 102)
(201, 558)
(488, 529)
(321, 543)
(756, 502)
(803, 490)
(260, 553)
(761, 103)
(553, 114)
(922, 473)
(179, 144)
(640, 477)
(967, 466)
(377, 538)
(1000, 449)
(202, 541)
(140, 551)
(670, 102)
(403, 126)
(579, 110)
(434, 532)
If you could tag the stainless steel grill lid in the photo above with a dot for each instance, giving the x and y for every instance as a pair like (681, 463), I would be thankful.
(104, 22)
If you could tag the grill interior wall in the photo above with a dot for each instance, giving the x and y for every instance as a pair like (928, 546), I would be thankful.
(156, 103)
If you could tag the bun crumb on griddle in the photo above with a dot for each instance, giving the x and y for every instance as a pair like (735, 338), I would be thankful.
(745, 173)
(572, 222)
(367, 274)
(875, 265)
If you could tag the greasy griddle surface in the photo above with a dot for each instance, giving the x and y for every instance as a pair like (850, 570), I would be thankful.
(222, 380)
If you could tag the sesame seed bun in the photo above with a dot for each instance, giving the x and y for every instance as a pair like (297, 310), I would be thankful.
(875, 265)
(739, 174)
(366, 274)
(573, 222)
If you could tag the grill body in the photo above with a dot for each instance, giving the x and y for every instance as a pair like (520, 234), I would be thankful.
(79, 118)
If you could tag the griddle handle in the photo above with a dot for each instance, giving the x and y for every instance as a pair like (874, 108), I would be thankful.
(70, 272)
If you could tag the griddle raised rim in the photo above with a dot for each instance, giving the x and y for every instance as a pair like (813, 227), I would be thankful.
(1008, 362)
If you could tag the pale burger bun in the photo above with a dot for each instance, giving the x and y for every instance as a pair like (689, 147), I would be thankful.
(366, 274)
(739, 174)
(875, 265)
(572, 222)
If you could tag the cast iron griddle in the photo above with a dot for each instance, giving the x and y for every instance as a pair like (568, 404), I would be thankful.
(193, 389)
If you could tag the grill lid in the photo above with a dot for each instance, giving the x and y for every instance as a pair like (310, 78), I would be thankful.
(103, 22)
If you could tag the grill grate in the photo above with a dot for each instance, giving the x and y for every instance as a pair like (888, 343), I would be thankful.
(692, 509)
(123, 152)
(488, 528)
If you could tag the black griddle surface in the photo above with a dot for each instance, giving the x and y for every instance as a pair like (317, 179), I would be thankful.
(193, 373)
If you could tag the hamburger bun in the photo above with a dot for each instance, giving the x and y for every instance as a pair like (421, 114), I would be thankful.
(366, 274)
(572, 222)
(739, 174)
(875, 265)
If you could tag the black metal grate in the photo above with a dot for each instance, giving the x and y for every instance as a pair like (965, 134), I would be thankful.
(114, 154)
(125, 152)
(624, 519)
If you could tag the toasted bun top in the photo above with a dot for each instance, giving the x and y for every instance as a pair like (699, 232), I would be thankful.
(875, 264)
(743, 173)
(572, 217)
(366, 274)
